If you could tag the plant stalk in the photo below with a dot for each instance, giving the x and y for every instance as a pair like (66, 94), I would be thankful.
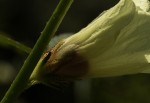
(52, 25)
(10, 42)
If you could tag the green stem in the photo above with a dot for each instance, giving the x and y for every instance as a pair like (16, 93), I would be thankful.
(10, 42)
(22, 78)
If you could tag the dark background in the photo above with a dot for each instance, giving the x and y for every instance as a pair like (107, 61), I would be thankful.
(23, 20)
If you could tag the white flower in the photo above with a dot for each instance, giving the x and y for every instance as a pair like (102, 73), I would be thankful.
(115, 43)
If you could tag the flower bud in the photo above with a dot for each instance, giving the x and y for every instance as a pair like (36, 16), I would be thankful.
(115, 43)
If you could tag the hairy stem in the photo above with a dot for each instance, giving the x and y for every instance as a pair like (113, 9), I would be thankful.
(22, 78)
(10, 42)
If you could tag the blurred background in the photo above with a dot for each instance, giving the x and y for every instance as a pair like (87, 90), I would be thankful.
(23, 20)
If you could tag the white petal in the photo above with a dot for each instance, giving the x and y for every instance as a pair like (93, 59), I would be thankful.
(116, 42)
(142, 4)
(127, 54)
(102, 24)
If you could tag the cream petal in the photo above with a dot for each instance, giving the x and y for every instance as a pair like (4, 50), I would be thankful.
(116, 42)
(127, 54)
(115, 18)
(142, 4)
